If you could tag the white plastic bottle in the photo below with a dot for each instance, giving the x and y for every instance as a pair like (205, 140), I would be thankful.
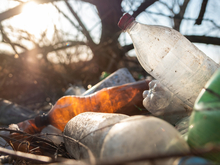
(90, 129)
(139, 136)
(170, 58)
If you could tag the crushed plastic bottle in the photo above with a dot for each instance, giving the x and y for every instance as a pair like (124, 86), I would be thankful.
(162, 103)
(170, 58)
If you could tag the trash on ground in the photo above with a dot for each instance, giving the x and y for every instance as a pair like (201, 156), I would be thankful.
(162, 103)
(12, 113)
(119, 77)
(89, 128)
(204, 121)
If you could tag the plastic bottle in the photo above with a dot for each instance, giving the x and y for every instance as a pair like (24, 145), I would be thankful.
(170, 58)
(14, 113)
(125, 99)
(204, 130)
(119, 77)
(162, 103)
(139, 136)
(89, 128)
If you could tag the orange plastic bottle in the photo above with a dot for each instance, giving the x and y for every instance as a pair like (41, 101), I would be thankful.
(125, 99)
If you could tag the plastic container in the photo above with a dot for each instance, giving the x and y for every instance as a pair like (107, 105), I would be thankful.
(162, 103)
(139, 136)
(170, 58)
(119, 77)
(125, 99)
(204, 130)
(74, 90)
(11, 113)
(89, 128)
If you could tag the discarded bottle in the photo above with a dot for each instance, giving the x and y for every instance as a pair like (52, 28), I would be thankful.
(89, 128)
(162, 103)
(74, 90)
(14, 113)
(139, 136)
(170, 58)
(125, 99)
(119, 77)
(204, 130)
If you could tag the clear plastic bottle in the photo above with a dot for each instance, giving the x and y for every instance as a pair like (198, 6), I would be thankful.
(170, 58)
(139, 136)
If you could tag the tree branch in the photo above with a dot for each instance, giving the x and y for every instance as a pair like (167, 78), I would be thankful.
(85, 32)
(203, 39)
(18, 9)
(51, 48)
(143, 6)
(191, 38)
(6, 39)
(202, 12)
(26, 156)
(178, 16)
(68, 18)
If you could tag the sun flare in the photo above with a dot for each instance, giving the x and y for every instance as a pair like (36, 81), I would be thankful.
(35, 18)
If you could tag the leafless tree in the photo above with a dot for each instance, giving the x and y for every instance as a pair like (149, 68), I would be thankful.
(27, 83)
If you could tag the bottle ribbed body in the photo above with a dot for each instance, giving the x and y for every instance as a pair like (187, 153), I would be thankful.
(172, 59)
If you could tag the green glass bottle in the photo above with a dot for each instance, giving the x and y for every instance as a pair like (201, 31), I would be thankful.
(204, 125)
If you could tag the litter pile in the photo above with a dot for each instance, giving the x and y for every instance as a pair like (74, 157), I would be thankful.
(172, 119)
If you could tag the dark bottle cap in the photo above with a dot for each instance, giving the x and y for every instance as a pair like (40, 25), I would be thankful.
(41, 120)
(125, 20)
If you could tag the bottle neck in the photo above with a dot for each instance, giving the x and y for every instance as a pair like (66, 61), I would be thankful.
(130, 26)
(42, 120)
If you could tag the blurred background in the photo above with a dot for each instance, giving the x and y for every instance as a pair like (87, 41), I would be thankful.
(46, 45)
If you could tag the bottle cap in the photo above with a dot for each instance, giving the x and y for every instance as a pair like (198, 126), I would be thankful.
(41, 120)
(125, 20)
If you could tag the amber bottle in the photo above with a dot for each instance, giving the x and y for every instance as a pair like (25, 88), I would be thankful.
(124, 99)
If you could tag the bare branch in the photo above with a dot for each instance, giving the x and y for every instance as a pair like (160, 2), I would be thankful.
(26, 156)
(178, 16)
(202, 12)
(68, 18)
(185, 18)
(167, 6)
(143, 6)
(203, 39)
(85, 31)
(18, 9)
(192, 38)
(7, 39)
